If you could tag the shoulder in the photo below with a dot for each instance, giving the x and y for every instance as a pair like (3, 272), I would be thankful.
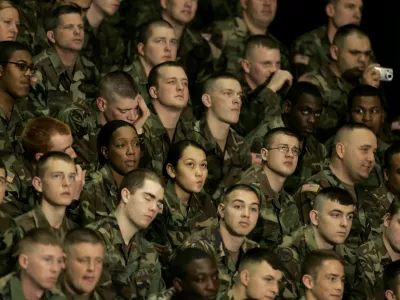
(4, 281)
(164, 295)
(105, 227)
(41, 58)
(311, 35)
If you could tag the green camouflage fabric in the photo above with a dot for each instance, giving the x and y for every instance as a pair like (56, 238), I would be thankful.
(55, 87)
(210, 240)
(372, 260)
(262, 99)
(37, 219)
(305, 196)
(228, 295)
(11, 289)
(11, 130)
(224, 166)
(138, 74)
(177, 222)
(99, 196)
(311, 160)
(164, 295)
(278, 211)
(229, 36)
(134, 268)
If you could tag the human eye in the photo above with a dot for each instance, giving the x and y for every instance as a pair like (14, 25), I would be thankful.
(284, 148)
(296, 151)
(190, 164)
(365, 150)
(119, 145)
(185, 83)
(376, 111)
(350, 217)
(204, 165)
(335, 214)
(305, 112)
(72, 177)
(318, 114)
(254, 209)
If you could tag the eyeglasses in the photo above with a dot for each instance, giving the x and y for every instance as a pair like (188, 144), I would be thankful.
(285, 149)
(23, 66)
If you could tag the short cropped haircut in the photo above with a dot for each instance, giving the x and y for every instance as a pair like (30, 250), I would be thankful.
(394, 207)
(37, 134)
(146, 30)
(117, 84)
(37, 236)
(134, 180)
(270, 136)
(256, 256)
(365, 90)
(242, 187)
(155, 72)
(53, 20)
(258, 40)
(389, 153)
(180, 264)
(6, 4)
(302, 88)
(314, 260)
(347, 128)
(43, 161)
(335, 194)
(3, 166)
(345, 31)
(391, 276)
(7, 50)
(210, 82)
(81, 235)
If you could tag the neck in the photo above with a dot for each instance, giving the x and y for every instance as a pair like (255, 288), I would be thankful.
(178, 28)
(232, 243)
(393, 254)
(331, 31)
(275, 181)
(117, 177)
(219, 130)
(183, 196)
(321, 243)
(128, 230)
(54, 214)
(335, 70)
(309, 295)
(95, 17)
(71, 290)
(30, 290)
(239, 291)
(146, 67)
(102, 118)
(249, 82)
(169, 117)
(6, 102)
(254, 28)
(67, 57)
(337, 169)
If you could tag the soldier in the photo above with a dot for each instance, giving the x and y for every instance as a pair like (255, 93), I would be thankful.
(391, 280)
(279, 215)
(130, 261)
(302, 111)
(84, 264)
(313, 48)
(227, 241)
(10, 17)
(227, 153)
(63, 76)
(375, 255)
(16, 73)
(55, 180)
(40, 261)
(323, 275)
(263, 81)
(168, 88)
(351, 160)
(119, 153)
(391, 166)
(229, 36)
(259, 274)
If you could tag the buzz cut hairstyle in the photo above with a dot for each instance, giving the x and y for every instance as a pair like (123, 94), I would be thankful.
(345, 31)
(394, 207)
(242, 187)
(256, 256)
(365, 90)
(335, 194)
(155, 72)
(145, 31)
(37, 236)
(3, 166)
(302, 88)
(80, 236)
(388, 156)
(314, 260)
(258, 40)
(391, 276)
(117, 84)
(53, 20)
(270, 135)
(209, 84)
(43, 161)
(349, 127)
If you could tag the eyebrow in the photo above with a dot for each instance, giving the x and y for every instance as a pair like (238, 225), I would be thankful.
(336, 210)
(182, 78)
(310, 108)
(150, 195)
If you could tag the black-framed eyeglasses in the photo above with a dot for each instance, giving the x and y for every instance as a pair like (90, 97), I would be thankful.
(22, 66)
(285, 149)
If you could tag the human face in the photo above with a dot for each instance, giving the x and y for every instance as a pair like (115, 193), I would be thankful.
(282, 164)
(368, 110)
(393, 175)
(329, 284)
(125, 109)
(107, 7)
(191, 170)
(260, 12)
(262, 64)
(69, 34)
(179, 11)
(346, 12)
(44, 265)
(333, 221)
(3, 184)
(263, 282)
(124, 150)
(62, 143)
(13, 79)
(172, 88)
(162, 46)
(305, 115)
(58, 182)
(202, 279)
(240, 212)
(83, 267)
(226, 101)
(392, 231)
(144, 204)
(84, 5)
(9, 22)
(359, 154)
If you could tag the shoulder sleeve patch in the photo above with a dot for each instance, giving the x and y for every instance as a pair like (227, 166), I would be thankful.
(310, 187)
(10, 176)
(285, 255)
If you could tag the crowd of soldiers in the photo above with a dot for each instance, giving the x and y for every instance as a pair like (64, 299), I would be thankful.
(175, 149)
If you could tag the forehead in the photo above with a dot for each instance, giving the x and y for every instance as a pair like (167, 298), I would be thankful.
(367, 101)
(309, 100)
(249, 197)
(2, 173)
(152, 187)
(193, 152)
(396, 159)
(41, 250)
(282, 138)
(331, 267)
(329, 205)
(345, 2)
(58, 165)
(161, 31)
(357, 42)
(123, 101)
(70, 19)
(87, 249)
(263, 53)
(21, 55)
(362, 136)
(124, 132)
(265, 269)
(169, 72)
(202, 266)
(8, 12)
(228, 83)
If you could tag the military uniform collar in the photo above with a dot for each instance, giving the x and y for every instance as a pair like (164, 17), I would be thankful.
(309, 238)
(174, 201)
(41, 221)
(120, 241)
(140, 70)
(109, 180)
(265, 185)
(210, 140)
(16, 289)
(59, 66)
(381, 249)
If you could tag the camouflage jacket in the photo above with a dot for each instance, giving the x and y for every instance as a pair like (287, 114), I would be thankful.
(164, 295)
(224, 166)
(11, 289)
(99, 197)
(134, 268)
(228, 295)
(11, 130)
(138, 74)
(55, 87)
(278, 211)
(177, 222)
(37, 219)
(210, 240)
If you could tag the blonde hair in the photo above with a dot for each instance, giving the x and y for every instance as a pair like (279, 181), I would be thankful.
(6, 4)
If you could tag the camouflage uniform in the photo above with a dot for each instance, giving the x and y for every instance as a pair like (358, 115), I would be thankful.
(210, 240)
(99, 197)
(134, 268)
(311, 159)
(10, 130)
(228, 295)
(37, 219)
(225, 166)
(164, 295)
(138, 74)
(11, 289)
(278, 211)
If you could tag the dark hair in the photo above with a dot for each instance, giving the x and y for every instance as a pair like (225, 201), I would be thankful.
(105, 135)
(362, 91)
(38, 236)
(155, 72)
(344, 31)
(243, 187)
(394, 207)
(81, 235)
(391, 275)
(270, 135)
(176, 151)
(314, 260)
(7, 50)
(301, 88)
(117, 83)
(52, 21)
(209, 84)
(388, 156)
(42, 163)
(146, 30)
(180, 264)
(335, 194)
(3, 166)
(257, 256)
(260, 40)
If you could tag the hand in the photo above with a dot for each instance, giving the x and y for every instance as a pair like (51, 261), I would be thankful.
(79, 182)
(278, 80)
(371, 76)
(144, 114)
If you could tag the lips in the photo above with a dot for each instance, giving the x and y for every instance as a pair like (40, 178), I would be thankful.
(66, 194)
(288, 163)
(130, 163)
(244, 224)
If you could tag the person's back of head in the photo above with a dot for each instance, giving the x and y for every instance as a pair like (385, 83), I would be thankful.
(391, 163)
(391, 280)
